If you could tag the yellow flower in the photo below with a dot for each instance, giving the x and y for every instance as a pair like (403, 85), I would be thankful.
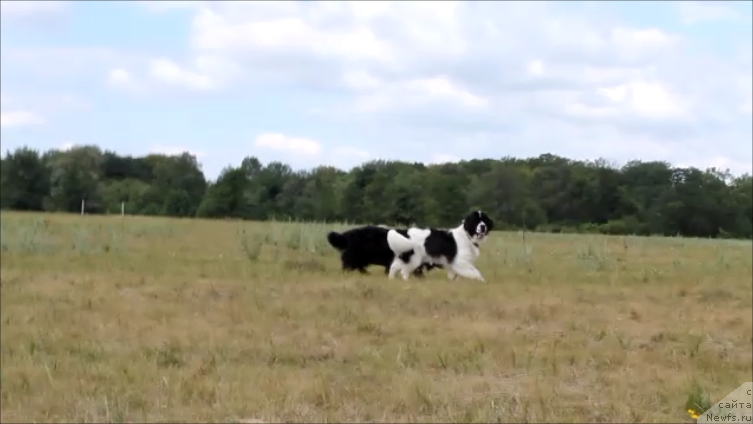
(693, 414)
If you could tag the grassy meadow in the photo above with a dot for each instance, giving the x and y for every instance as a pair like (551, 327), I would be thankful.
(112, 319)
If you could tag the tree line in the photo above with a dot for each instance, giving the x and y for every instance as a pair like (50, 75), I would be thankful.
(545, 193)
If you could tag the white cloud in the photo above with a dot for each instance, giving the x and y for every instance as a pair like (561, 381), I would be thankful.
(420, 55)
(535, 67)
(30, 9)
(649, 99)
(351, 152)
(166, 6)
(487, 67)
(168, 71)
(443, 158)
(417, 92)
(225, 32)
(534, 77)
(692, 12)
(38, 107)
(641, 38)
(361, 81)
(747, 107)
(174, 150)
(19, 118)
(442, 87)
(746, 86)
(291, 145)
(118, 77)
(65, 64)
(344, 157)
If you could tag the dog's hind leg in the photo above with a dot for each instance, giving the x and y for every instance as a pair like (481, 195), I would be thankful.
(411, 266)
(419, 272)
(394, 268)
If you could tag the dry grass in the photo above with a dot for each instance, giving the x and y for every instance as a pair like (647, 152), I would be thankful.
(185, 320)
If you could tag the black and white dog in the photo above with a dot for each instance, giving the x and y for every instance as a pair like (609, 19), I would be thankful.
(455, 249)
(363, 246)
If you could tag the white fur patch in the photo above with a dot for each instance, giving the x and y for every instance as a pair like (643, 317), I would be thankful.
(418, 234)
(461, 265)
(399, 244)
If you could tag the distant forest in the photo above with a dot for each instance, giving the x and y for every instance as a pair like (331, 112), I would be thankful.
(546, 193)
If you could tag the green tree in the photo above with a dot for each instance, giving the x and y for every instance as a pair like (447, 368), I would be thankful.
(226, 197)
(178, 184)
(25, 181)
(75, 177)
(547, 192)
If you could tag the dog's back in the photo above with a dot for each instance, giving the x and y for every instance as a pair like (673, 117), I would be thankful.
(362, 246)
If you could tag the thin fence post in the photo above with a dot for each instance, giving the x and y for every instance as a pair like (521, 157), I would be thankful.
(83, 206)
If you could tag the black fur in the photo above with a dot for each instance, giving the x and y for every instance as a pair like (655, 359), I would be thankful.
(472, 221)
(441, 243)
(337, 240)
(367, 245)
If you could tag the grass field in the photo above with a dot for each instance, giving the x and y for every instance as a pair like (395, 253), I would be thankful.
(120, 320)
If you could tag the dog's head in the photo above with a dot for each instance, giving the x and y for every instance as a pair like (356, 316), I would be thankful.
(478, 225)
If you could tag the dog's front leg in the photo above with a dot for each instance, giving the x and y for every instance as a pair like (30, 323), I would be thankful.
(405, 273)
(394, 268)
(451, 275)
(419, 272)
(467, 270)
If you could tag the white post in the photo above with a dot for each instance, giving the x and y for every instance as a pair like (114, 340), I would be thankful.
(122, 208)
(83, 203)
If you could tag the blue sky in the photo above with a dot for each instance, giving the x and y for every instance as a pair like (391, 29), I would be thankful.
(340, 83)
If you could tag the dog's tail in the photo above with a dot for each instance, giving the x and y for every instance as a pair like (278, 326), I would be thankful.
(398, 243)
(337, 240)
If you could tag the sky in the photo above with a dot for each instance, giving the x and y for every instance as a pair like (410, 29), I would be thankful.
(340, 83)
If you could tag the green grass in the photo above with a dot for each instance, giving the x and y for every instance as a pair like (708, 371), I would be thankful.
(124, 320)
